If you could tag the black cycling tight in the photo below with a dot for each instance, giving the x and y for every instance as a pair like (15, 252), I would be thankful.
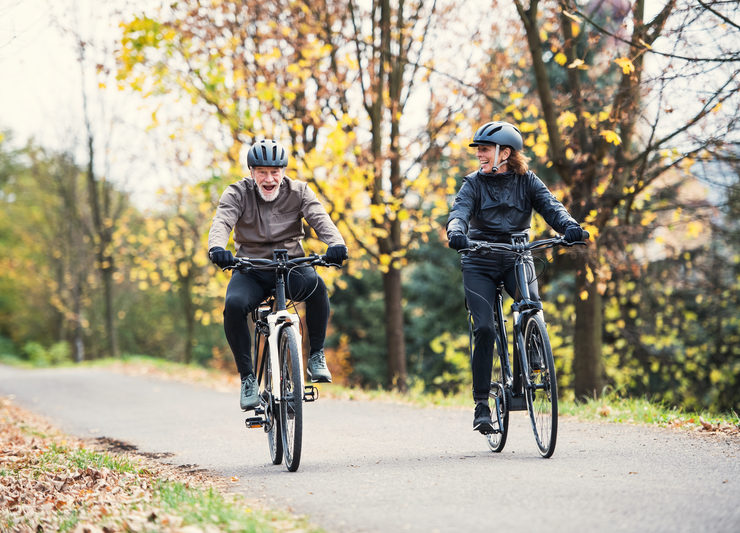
(480, 292)
(247, 290)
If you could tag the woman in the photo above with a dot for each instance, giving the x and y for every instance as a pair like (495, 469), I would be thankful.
(495, 201)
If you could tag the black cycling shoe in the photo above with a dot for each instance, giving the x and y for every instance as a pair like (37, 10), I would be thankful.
(482, 420)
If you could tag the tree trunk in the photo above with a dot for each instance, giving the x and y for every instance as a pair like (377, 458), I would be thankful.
(101, 233)
(79, 344)
(588, 366)
(395, 340)
(110, 319)
(189, 312)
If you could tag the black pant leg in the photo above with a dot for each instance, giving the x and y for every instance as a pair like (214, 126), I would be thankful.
(480, 292)
(245, 292)
(305, 285)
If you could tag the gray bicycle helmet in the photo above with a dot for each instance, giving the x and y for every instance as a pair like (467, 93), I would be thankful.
(501, 133)
(267, 153)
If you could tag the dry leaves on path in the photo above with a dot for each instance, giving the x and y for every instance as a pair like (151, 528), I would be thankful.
(49, 481)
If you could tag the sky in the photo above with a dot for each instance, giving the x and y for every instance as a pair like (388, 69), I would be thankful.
(38, 71)
(41, 91)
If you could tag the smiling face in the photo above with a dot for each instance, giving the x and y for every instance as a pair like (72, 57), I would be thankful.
(486, 154)
(268, 181)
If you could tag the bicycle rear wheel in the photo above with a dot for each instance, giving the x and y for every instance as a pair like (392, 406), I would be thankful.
(500, 411)
(272, 414)
(291, 398)
(542, 397)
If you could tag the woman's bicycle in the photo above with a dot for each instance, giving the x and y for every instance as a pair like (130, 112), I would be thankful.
(531, 384)
(279, 361)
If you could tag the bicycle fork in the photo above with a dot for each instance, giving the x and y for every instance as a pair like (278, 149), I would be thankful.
(277, 322)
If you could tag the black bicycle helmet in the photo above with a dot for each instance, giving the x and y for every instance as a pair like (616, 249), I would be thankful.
(267, 153)
(501, 133)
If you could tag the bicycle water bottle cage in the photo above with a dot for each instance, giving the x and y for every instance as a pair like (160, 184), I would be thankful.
(519, 241)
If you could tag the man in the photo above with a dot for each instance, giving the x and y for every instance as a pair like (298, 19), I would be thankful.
(266, 212)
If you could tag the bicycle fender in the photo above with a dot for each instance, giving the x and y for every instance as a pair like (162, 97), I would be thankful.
(277, 321)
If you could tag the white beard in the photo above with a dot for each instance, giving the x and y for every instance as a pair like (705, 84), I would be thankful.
(269, 197)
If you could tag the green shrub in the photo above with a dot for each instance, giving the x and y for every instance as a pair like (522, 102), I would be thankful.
(57, 354)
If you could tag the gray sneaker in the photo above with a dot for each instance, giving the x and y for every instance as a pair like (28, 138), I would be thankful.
(249, 398)
(317, 369)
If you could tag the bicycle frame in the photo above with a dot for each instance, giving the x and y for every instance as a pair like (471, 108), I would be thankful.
(278, 318)
(522, 309)
(522, 387)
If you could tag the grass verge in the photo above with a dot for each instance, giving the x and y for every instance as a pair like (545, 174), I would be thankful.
(52, 482)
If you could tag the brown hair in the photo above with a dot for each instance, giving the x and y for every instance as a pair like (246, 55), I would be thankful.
(517, 162)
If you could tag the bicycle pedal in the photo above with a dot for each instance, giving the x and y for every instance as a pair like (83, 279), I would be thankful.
(259, 410)
(310, 393)
(254, 422)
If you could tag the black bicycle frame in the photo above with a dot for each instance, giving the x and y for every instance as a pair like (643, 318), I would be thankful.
(522, 308)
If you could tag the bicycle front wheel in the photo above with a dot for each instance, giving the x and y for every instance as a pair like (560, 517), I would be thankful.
(542, 396)
(272, 414)
(500, 411)
(291, 398)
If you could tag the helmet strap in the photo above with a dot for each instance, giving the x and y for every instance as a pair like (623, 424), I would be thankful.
(496, 163)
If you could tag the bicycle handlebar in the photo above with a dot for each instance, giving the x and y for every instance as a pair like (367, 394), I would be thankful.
(477, 246)
(244, 263)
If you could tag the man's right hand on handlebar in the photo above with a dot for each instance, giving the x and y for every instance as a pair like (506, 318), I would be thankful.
(336, 254)
(222, 258)
(457, 241)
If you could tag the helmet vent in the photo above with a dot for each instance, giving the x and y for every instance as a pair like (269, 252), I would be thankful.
(492, 130)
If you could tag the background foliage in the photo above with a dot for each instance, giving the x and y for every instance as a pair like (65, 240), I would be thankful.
(377, 108)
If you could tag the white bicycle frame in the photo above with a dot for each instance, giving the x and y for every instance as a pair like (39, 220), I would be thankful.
(276, 322)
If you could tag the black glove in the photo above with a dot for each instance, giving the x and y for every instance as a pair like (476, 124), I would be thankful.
(222, 258)
(457, 241)
(575, 233)
(336, 254)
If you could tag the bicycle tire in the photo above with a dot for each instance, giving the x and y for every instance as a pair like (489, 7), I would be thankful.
(542, 398)
(500, 412)
(272, 413)
(291, 398)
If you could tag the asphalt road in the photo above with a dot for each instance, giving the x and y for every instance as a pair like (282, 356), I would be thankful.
(372, 466)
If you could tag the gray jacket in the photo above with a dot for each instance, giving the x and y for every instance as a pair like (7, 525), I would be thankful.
(260, 227)
(492, 207)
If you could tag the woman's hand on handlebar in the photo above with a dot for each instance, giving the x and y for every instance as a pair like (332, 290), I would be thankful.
(575, 234)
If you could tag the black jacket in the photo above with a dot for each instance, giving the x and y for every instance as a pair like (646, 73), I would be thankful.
(492, 207)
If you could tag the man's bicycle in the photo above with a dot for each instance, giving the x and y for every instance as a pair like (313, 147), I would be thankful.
(531, 384)
(278, 361)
